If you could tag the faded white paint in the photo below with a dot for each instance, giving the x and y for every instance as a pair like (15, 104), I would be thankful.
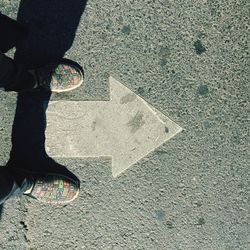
(125, 128)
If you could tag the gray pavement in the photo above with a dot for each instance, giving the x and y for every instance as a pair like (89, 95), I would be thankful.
(189, 60)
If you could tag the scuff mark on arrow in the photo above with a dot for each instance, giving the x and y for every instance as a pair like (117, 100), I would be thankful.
(125, 128)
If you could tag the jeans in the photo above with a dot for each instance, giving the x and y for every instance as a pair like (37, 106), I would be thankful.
(12, 183)
(28, 157)
(13, 77)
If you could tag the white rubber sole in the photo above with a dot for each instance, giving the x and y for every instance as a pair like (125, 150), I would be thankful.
(68, 89)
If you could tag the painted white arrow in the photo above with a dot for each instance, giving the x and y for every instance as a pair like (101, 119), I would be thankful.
(125, 128)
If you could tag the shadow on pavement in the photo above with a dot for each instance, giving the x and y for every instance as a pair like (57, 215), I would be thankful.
(28, 135)
(52, 26)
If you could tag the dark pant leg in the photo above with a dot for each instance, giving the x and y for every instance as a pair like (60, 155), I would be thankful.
(12, 183)
(7, 70)
(13, 76)
(12, 33)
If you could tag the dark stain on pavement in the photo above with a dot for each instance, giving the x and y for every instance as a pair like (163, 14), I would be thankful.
(163, 62)
(126, 30)
(166, 130)
(160, 215)
(199, 48)
(95, 123)
(164, 54)
(203, 89)
(128, 98)
(136, 122)
(201, 221)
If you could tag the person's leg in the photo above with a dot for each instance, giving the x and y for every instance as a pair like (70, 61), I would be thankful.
(51, 188)
(14, 77)
(55, 77)
(12, 33)
(12, 183)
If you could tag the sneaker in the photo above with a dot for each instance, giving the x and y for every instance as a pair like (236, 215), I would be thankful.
(58, 77)
(54, 189)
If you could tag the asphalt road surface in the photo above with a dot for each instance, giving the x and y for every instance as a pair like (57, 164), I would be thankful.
(189, 60)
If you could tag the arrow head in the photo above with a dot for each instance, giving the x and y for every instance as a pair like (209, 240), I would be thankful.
(140, 127)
